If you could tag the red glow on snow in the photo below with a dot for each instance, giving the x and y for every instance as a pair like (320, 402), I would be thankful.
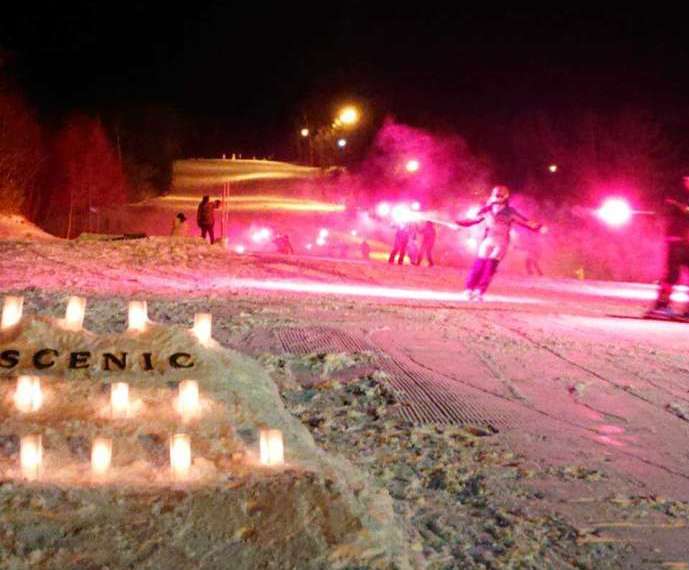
(343, 289)
(615, 212)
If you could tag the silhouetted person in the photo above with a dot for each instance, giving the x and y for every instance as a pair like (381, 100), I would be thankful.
(427, 243)
(205, 217)
(282, 244)
(400, 246)
(677, 252)
(179, 226)
(365, 250)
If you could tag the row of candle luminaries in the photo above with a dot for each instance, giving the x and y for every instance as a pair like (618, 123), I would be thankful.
(76, 308)
(31, 455)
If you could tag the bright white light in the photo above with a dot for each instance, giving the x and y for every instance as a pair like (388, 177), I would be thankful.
(180, 456)
(471, 244)
(261, 235)
(304, 133)
(383, 209)
(28, 397)
(138, 315)
(188, 400)
(11, 311)
(239, 249)
(271, 447)
(320, 241)
(402, 214)
(412, 165)
(472, 212)
(416, 206)
(615, 212)
(354, 233)
(342, 143)
(348, 116)
(552, 168)
(119, 400)
(74, 316)
(203, 327)
(101, 455)
(324, 233)
(309, 246)
(31, 456)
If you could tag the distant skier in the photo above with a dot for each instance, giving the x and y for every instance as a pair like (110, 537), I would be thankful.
(205, 217)
(283, 244)
(530, 244)
(179, 226)
(499, 217)
(677, 252)
(365, 250)
(427, 243)
(400, 246)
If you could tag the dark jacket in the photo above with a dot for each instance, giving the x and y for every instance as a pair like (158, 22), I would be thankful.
(205, 215)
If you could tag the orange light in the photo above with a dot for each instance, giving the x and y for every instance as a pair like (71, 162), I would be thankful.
(271, 447)
(180, 456)
(74, 316)
(11, 311)
(203, 327)
(119, 400)
(28, 397)
(101, 456)
(31, 456)
(348, 116)
(138, 315)
(304, 133)
(188, 399)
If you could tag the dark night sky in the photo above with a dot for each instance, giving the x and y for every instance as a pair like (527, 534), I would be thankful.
(247, 73)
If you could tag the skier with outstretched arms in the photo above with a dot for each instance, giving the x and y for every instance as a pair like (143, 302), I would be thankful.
(498, 217)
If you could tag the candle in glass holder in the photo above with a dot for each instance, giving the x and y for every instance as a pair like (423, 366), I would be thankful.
(28, 396)
(271, 447)
(11, 311)
(188, 399)
(119, 399)
(203, 326)
(101, 455)
(138, 315)
(180, 456)
(74, 316)
(31, 456)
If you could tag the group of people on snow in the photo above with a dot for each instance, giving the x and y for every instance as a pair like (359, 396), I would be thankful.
(405, 244)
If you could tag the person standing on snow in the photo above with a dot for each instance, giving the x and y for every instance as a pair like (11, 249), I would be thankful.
(401, 242)
(427, 243)
(205, 217)
(498, 216)
(677, 252)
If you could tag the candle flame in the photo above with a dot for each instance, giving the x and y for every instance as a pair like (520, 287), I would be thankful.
(203, 326)
(138, 315)
(28, 396)
(31, 456)
(188, 400)
(101, 455)
(74, 316)
(11, 312)
(271, 447)
(180, 456)
(119, 399)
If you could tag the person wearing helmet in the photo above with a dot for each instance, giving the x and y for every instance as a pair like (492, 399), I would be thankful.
(498, 216)
(677, 252)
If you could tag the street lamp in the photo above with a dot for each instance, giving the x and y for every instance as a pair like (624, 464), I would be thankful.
(304, 133)
(342, 143)
(348, 116)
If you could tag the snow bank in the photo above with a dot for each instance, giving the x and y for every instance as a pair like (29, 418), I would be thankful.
(18, 227)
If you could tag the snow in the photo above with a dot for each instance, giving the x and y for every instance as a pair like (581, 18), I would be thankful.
(18, 227)
(590, 402)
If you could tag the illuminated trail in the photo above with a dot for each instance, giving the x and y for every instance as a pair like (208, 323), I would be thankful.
(257, 203)
(351, 290)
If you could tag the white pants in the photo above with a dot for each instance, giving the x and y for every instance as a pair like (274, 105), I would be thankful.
(493, 248)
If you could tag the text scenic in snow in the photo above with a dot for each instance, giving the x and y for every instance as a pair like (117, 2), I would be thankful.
(45, 358)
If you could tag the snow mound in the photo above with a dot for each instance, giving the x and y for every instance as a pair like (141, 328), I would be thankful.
(14, 226)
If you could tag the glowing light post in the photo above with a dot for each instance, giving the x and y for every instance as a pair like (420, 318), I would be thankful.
(28, 396)
(188, 400)
(31, 456)
(203, 327)
(74, 315)
(180, 456)
(615, 212)
(342, 143)
(272, 449)
(138, 316)
(11, 312)
(101, 456)
(119, 400)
